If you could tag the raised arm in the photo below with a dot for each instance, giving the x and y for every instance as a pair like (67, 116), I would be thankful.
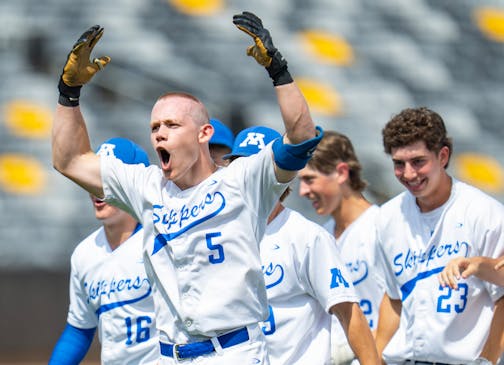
(71, 149)
(301, 136)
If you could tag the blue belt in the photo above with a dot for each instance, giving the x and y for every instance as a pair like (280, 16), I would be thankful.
(195, 349)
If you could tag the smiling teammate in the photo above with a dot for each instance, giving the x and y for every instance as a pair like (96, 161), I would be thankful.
(203, 224)
(332, 181)
(437, 219)
(307, 283)
(109, 288)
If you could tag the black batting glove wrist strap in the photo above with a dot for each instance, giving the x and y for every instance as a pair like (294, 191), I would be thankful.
(69, 95)
(278, 70)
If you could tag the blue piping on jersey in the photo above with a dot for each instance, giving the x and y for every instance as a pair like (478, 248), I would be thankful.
(408, 286)
(110, 306)
(161, 240)
(137, 228)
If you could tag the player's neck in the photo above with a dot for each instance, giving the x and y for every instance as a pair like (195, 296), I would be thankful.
(275, 212)
(350, 209)
(200, 171)
(438, 197)
(119, 232)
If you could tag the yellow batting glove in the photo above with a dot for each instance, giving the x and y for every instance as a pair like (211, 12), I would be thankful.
(79, 68)
(264, 52)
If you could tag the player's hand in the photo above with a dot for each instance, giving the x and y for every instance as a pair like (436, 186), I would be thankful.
(263, 51)
(460, 267)
(499, 265)
(79, 68)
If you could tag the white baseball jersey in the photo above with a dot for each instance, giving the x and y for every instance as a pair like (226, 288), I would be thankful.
(357, 247)
(110, 290)
(304, 278)
(439, 324)
(201, 244)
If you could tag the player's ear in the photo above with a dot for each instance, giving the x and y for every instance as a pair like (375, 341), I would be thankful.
(444, 155)
(206, 132)
(343, 171)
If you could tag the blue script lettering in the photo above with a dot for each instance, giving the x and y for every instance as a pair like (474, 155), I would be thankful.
(178, 222)
(177, 218)
(358, 271)
(105, 288)
(273, 274)
(409, 260)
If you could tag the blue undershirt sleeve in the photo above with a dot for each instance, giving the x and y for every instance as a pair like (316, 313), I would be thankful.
(72, 345)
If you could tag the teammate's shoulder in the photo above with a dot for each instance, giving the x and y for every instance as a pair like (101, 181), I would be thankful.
(294, 216)
(303, 226)
(395, 202)
(133, 245)
(473, 195)
(370, 213)
(94, 242)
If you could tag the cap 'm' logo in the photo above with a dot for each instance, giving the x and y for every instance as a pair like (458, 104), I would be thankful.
(106, 149)
(254, 139)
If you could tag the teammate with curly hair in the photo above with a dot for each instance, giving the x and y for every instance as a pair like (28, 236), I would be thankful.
(436, 219)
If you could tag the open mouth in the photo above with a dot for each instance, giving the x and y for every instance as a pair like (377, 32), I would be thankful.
(164, 156)
(98, 202)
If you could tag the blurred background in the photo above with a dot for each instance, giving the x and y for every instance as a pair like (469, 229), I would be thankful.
(358, 63)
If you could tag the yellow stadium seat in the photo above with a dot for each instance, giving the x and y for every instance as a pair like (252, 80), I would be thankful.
(198, 7)
(490, 21)
(321, 98)
(480, 170)
(27, 119)
(21, 174)
(327, 48)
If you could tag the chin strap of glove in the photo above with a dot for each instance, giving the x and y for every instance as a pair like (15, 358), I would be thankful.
(79, 69)
(264, 52)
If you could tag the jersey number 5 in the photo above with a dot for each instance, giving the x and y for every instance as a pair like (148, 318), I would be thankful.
(218, 256)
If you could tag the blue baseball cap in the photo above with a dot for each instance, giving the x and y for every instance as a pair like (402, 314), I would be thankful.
(222, 134)
(125, 150)
(252, 140)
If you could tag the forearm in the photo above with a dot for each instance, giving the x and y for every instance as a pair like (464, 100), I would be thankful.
(494, 346)
(360, 338)
(388, 322)
(299, 125)
(357, 331)
(71, 150)
(70, 137)
(486, 270)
